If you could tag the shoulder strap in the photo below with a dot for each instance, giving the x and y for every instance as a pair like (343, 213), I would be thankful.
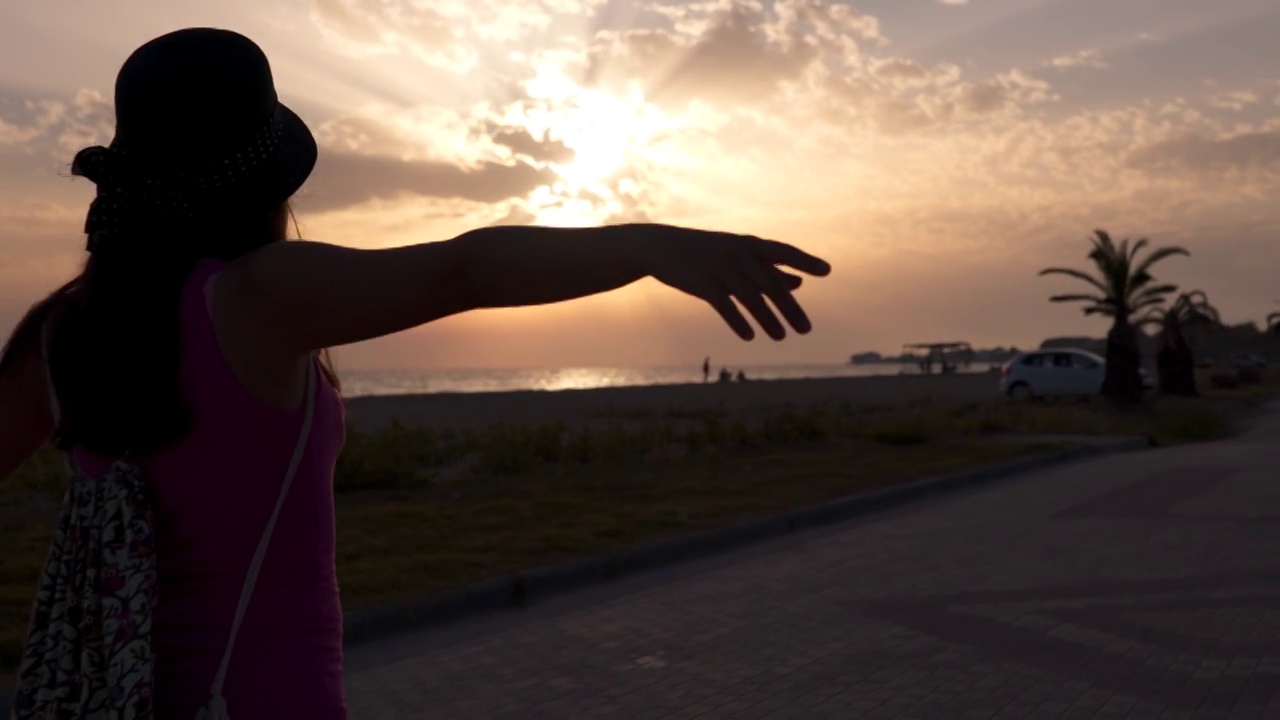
(246, 593)
(46, 342)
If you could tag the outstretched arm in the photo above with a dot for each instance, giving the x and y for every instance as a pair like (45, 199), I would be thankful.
(519, 266)
(300, 296)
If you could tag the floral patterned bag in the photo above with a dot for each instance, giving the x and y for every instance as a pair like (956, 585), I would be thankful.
(88, 654)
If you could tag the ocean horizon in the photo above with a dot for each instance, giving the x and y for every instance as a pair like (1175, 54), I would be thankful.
(361, 383)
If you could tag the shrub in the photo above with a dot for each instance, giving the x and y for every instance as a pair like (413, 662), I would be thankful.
(908, 431)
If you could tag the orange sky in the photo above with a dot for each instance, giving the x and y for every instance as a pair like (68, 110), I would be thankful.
(938, 153)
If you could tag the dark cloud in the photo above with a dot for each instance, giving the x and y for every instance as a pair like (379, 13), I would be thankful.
(900, 69)
(345, 179)
(522, 142)
(1199, 154)
(983, 98)
(517, 214)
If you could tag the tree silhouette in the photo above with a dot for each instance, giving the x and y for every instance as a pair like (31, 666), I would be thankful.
(1175, 357)
(1273, 323)
(1122, 286)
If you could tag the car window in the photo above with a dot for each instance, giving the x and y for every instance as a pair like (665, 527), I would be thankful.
(1035, 360)
(1062, 360)
(1083, 361)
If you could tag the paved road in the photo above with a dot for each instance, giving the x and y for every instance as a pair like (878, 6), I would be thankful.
(1134, 586)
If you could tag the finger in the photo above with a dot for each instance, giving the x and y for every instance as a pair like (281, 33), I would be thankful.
(769, 281)
(747, 291)
(723, 304)
(779, 253)
(793, 282)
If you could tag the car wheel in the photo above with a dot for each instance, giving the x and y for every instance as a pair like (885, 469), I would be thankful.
(1020, 392)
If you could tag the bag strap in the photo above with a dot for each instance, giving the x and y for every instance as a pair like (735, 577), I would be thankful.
(246, 593)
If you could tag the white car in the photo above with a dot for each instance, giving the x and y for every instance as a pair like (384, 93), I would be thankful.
(1056, 372)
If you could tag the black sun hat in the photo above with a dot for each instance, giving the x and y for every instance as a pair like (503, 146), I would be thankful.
(200, 135)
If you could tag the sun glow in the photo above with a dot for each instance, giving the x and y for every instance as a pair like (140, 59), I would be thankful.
(611, 135)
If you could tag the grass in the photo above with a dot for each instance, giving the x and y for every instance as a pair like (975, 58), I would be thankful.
(420, 511)
(418, 541)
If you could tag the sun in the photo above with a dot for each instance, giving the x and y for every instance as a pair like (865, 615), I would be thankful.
(610, 134)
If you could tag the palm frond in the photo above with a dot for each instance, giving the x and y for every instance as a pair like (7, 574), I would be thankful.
(1156, 256)
(1079, 275)
(1137, 248)
(1079, 297)
(1101, 238)
(1158, 291)
(1125, 283)
(1193, 308)
(1154, 316)
(1197, 297)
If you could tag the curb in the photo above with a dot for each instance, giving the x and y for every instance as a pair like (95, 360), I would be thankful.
(527, 587)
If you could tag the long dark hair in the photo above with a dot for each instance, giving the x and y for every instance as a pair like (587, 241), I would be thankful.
(115, 337)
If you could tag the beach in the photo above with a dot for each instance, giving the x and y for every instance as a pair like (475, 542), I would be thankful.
(440, 411)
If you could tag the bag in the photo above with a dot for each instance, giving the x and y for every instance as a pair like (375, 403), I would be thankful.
(88, 653)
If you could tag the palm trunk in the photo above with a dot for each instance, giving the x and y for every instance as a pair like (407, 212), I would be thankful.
(1177, 364)
(1123, 381)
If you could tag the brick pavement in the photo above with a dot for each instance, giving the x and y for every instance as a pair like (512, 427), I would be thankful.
(1132, 586)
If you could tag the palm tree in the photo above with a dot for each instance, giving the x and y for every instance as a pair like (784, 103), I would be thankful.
(1123, 286)
(1175, 358)
(1273, 323)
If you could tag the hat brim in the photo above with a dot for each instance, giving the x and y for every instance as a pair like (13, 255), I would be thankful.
(296, 155)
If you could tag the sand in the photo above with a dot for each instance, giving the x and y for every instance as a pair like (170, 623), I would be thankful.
(480, 410)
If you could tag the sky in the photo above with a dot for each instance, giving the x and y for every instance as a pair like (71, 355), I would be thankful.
(938, 153)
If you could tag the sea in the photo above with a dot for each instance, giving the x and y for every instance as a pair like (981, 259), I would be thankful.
(357, 383)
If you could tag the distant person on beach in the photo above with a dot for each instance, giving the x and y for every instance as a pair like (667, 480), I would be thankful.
(183, 374)
(725, 375)
(742, 377)
(706, 369)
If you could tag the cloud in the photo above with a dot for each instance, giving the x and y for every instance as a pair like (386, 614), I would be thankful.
(1007, 90)
(444, 34)
(66, 125)
(428, 152)
(344, 179)
(794, 100)
(372, 27)
(1089, 58)
(730, 51)
(778, 90)
(1237, 100)
(14, 134)
(919, 173)
(902, 73)
(522, 142)
(1196, 153)
(798, 56)
(954, 2)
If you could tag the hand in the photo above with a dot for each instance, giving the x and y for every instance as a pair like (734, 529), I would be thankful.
(721, 267)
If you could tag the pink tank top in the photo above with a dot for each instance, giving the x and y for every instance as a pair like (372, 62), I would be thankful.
(214, 491)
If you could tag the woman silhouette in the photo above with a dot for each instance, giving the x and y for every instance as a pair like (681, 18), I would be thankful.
(184, 356)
